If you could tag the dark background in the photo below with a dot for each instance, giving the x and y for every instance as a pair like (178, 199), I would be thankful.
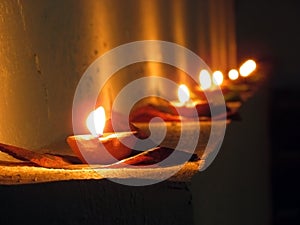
(255, 176)
(270, 31)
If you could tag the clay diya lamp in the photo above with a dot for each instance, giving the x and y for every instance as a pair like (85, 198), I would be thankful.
(186, 107)
(99, 147)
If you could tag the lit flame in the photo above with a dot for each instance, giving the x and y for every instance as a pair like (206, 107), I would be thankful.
(183, 94)
(233, 74)
(96, 121)
(218, 77)
(247, 68)
(204, 79)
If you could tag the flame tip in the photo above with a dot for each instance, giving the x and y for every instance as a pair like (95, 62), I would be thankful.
(247, 67)
(183, 93)
(204, 79)
(218, 77)
(96, 121)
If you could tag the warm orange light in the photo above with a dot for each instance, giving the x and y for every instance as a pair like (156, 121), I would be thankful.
(183, 94)
(96, 121)
(247, 68)
(233, 74)
(218, 77)
(204, 79)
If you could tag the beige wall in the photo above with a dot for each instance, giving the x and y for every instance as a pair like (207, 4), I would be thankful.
(45, 47)
(42, 55)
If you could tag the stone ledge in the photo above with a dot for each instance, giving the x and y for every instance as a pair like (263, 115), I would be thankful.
(13, 175)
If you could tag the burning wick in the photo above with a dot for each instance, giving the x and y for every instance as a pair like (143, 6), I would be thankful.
(187, 107)
(95, 121)
(183, 94)
(218, 78)
(205, 79)
(184, 105)
(233, 74)
(247, 68)
(99, 147)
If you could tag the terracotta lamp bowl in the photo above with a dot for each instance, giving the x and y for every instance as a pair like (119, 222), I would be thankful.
(106, 149)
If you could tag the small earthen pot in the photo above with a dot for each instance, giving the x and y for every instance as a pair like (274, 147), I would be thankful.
(105, 150)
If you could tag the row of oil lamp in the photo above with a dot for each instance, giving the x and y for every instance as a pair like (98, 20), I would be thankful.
(100, 148)
(207, 81)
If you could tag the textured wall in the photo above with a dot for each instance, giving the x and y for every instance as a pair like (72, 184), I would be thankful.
(45, 46)
(42, 56)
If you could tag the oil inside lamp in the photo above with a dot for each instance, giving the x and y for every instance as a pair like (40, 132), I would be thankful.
(99, 147)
